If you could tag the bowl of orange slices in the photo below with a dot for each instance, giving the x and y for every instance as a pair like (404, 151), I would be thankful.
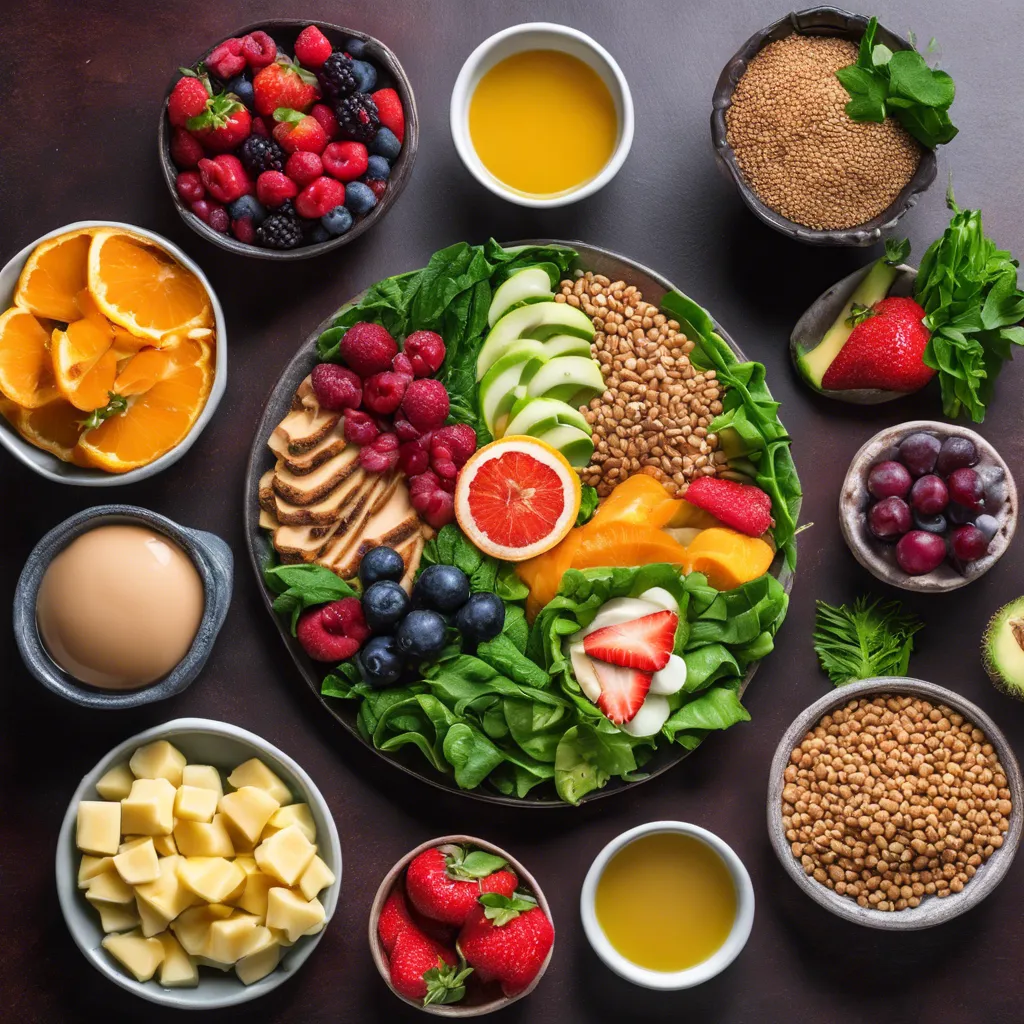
(113, 354)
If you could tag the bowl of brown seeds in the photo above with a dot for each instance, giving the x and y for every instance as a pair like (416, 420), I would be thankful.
(782, 135)
(895, 803)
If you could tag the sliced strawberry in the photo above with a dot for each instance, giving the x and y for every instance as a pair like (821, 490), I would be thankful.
(622, 690)
(643, 643)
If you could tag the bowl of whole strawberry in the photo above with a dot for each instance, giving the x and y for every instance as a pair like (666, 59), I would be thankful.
(460, 928)
(288, 139)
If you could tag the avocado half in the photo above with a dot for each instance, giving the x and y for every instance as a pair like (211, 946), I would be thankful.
(1002, 649)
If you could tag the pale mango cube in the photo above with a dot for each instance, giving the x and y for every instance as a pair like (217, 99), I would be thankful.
(130, 841)
(116, 917)
(137, 954)
(255, 773)
(165, 845)
(89, 867)
(214, 879)
(285, 855)
(288, 912)
(203, 839)
(239, 841)
(167, 895)
(195, 803)
(254, 897)
(139, 863)
(315, 878)
(236, 936)
(148, 809)
(151, 920)
(158, 760)
(99, 827)
(192, 926)
(248, 809)
(116, 783)
(252, 968)
(202, 776)
(109, 887)
(208, 961)
(247, 864)
(177, 970)
(294, 814)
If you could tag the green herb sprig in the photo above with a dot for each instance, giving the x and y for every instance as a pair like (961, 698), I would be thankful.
(883, 84)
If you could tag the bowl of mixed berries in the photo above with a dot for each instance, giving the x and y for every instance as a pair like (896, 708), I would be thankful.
(288, 139)
(928, 506)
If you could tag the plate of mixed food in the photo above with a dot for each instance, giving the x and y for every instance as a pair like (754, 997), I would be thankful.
(525, 519)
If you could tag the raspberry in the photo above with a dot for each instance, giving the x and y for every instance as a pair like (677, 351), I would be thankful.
(401, 364)
(346, 160)
(219, 219)
(441, 461)
(258, 49)
(226, 60)
(425, 350)
(274, 187)
(426, 403)
(345, 618)
(367, 349)
(435, 504)
(405, 430)
(328, 121)
(312, 47)
(333, 632)
(336, 387)
(224, 178)
(460, 441)
(190, 186)
(378, 187)
(259, 127)
(360, 428)
(186, 151)
(448, 483)
(243, 230)
(413, 457)
(303, 167)
(380, 455)
(320, 197)
(383, 392)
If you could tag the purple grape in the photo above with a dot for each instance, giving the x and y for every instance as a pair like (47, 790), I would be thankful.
(965, 488)
(889, 518)
(988, 525)
(929, 495)
(930, 524)
(968, 543)
(919, 552)
(955, 453)
(889, 479)
(918, 453)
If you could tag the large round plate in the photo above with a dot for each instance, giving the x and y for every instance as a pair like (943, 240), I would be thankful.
(600, 261)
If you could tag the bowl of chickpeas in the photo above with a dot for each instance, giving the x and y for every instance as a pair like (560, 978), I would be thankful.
(895, 803)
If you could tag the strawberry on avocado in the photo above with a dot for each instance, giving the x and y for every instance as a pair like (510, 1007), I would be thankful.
(444, 883)
(744, 507)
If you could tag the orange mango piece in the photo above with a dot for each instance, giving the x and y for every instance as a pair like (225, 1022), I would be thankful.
(543, 574)
(618, 544)
(728, 558)
(638, 499)
(689, 516)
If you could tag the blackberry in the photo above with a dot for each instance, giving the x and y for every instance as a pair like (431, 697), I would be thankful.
(338, 76)
(287, 209)
(259, 154)
(279, 232)
(357, 118)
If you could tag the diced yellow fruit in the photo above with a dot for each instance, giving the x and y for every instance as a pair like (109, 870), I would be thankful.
(116, 917)
(237, 936)
(255, 773)
(239, 841)
(109, 888)
(195, 803)
(139, 863)
(158, 760)
(316, 877)
(165, 845)
(247, 864)
(167, 895)
(116, 783)
(248, 809)
(89, 867)
(99, 827)
(285, 855)
(177, 969)
(204, 839)
(288, 912)
(208, 961)
(192, 927)
(137, 954)
(152, 921)
(254, 897)
(202, 776)
(128, 842)
(215, 879)
(293, 814)
(149, 808)
(258, 965)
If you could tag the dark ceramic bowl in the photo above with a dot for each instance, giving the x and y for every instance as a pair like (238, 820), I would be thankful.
(817, 21)
(390, 73)
(213, 561)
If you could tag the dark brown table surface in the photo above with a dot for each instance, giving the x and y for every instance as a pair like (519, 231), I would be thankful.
(82, 83)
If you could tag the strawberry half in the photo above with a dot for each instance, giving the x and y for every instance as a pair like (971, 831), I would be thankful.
(622, 690)
(744, 507)
(645, 643)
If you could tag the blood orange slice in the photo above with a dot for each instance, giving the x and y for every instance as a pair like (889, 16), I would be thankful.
(516, 498)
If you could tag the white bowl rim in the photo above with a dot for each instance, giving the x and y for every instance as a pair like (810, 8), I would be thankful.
(77, 476)
(706, 969)
(67, 886)
(460, 104)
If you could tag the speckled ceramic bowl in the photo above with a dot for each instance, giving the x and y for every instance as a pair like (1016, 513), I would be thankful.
(213, 561)
(932, 910)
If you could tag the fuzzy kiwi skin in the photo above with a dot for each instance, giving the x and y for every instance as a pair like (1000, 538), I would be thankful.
(998, 622)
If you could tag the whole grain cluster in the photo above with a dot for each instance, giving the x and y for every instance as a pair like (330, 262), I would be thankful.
(891, 799)
(797, 147)
(655, 413)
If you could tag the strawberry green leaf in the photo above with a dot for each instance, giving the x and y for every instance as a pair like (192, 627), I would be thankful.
(445, 983)
(897, 250)
(471, 866)
(858, 314)
(500, 909)
(285, 114)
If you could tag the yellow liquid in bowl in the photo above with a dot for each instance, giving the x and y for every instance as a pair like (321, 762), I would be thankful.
(543, 122)
(666, 902)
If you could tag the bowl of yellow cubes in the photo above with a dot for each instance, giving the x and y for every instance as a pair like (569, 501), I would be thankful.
(198, 865)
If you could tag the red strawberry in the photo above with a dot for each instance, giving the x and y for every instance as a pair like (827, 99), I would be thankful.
(223, 125)
(346, 160)
(426, 403)
(334, 631)
(394, 919)
(367, 348)
(312, 47)
(226, 60)
(883, 350)
(507, 939)
(423, 968)
(274, 187)
(186, 151)
(425, 350)
(224, 178)
(319, 197)
(444, 883)
(258, 49)
(295, 131)
(744, 507)
(645, 643)
(389, 110)
(325, 116)
(284, 84)
(188, 98)
(622, 690)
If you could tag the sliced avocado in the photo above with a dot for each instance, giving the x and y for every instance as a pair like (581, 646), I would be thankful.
(538, 320)
(529, 283)
(511, 372)
(1002, 649)
(533, 416)
(567, 378)
(574, 444)
(566, 345)
(872, 289)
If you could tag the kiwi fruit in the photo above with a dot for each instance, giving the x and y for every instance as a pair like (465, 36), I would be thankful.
(1002, 649)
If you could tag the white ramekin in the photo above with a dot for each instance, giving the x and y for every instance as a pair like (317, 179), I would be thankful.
(699, 973)
(540, 35)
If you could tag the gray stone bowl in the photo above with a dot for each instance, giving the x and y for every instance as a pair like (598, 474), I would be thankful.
(817, 21)
(880, 558)
(213, 561)
(932, 910)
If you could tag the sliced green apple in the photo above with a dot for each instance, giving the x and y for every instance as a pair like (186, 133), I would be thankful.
(570, 379)
(538, 320)
(566, 345)
(531, 284)
(573, 443)
(513, 371)
(533, 416)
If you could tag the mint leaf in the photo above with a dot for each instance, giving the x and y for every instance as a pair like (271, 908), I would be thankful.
(911, 77)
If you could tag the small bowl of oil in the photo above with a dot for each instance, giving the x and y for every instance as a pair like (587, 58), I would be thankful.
(667, 905)
(542, 115)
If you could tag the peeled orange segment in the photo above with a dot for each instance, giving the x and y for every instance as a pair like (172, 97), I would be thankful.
(627, 544)
(728, 558)
(142, 371)
(84, 363)
(638, 499)
(141, 288)
(516, 498)
(26, 370)
(53, 275)
(543, 574)
(125, 342)
(54, 427)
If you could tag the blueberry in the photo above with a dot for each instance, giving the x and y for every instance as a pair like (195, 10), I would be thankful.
(242, 88)
(377, 168)
(421, 634)
(381, 563)
(359, 197)
(337, 221)
(931, 524)
(380, 662)
(481, 617)
(384, 605)
(366, 75)
(356, 48)
(317, 233)
(385, 143)
(988, 525)
(444, 588)
(248, 206)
